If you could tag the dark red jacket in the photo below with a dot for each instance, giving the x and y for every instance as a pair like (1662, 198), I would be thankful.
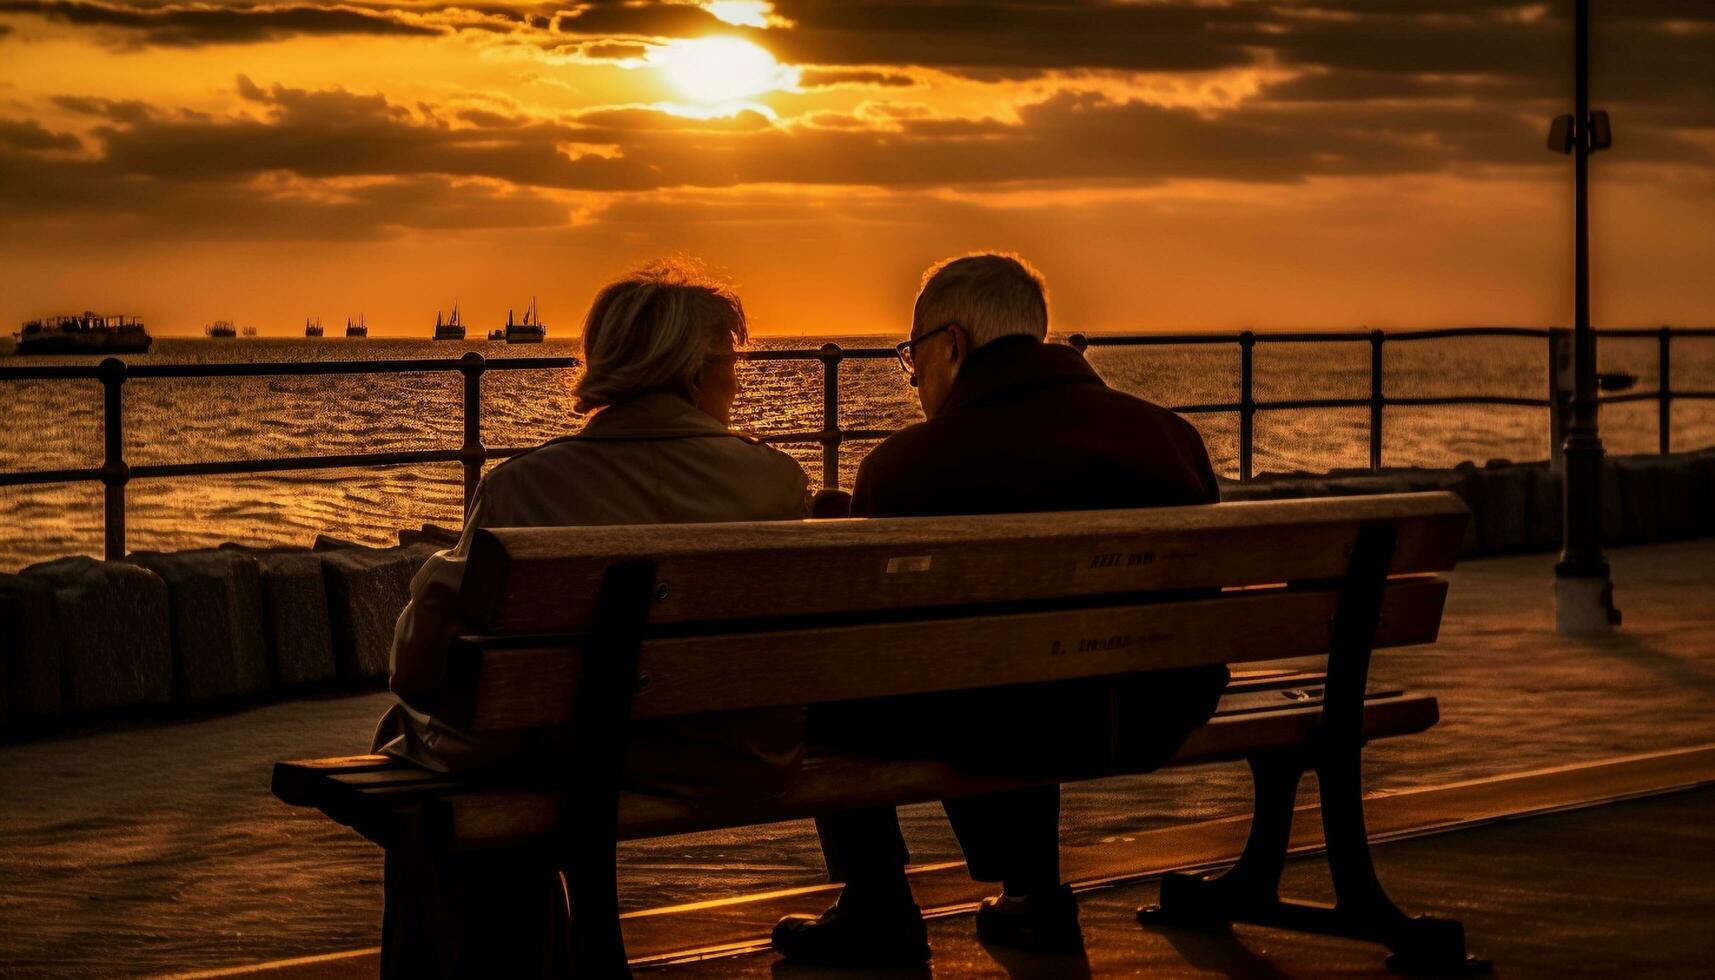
(1030, 427)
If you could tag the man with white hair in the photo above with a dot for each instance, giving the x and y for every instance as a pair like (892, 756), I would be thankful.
(1012, 424)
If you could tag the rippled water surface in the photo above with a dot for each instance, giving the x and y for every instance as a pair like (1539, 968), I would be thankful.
(57, 424)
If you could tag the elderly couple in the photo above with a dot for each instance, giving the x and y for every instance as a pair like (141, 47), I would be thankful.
(1012, 424)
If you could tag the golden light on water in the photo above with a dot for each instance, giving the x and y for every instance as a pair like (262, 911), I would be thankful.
(714, 70)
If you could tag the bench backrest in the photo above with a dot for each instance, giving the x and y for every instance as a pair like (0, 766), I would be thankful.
(786, 613)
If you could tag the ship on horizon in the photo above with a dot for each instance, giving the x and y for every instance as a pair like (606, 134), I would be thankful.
(528, 331)
(358, 329)
(221, 330)
(84, 333)
(312, 328)
(452, 328)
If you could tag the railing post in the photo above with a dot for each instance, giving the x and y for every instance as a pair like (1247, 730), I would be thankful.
(1247, 404)
(114, 473)
(1376, 401)
(471, 454)
(1664, 389)
(830, 357)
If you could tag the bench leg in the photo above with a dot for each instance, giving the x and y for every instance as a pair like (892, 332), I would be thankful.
(596, 943)
(491, 915)
(1252, 885)
(1249, 891)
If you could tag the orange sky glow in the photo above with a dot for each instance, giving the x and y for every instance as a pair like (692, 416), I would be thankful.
(1168, 164)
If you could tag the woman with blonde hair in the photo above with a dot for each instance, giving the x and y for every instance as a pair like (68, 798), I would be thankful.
(660, 349)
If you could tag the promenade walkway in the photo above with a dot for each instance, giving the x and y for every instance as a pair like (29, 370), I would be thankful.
(152, 849)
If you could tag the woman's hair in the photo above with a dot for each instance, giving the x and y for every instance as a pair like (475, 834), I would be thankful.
(652, 330)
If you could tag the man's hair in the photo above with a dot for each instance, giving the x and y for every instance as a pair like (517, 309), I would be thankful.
(991, 294)
(652, 330)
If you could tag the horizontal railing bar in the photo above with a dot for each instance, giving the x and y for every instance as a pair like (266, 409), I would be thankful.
(1442, 333)
(1422, 400)
(51, 372)
(400, 366)
(811, 354)
(1656, 332)
(1158, 339)
(24, 478)
(333, 462)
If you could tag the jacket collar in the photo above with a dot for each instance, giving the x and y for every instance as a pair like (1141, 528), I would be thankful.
(658, 415)
(1012, 365)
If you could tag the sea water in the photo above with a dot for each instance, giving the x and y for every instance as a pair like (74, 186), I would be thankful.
(58, 424)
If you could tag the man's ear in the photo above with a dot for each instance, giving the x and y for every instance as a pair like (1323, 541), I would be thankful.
(961, 344)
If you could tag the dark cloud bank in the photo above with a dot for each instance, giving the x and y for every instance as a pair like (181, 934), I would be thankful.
(1384, 87)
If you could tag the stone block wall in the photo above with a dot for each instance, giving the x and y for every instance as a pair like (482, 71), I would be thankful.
(1515, 507)
(114, 623)
(83, 639)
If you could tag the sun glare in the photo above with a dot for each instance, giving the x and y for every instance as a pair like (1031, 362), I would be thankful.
(712, 70)
(742, 13)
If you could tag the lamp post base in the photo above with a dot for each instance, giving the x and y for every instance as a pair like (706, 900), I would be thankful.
(1584, 606)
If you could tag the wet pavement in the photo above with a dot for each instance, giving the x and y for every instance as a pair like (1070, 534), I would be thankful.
(144, 849)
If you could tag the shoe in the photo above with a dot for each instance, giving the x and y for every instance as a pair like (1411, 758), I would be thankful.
(1043, 923)
(842, 936)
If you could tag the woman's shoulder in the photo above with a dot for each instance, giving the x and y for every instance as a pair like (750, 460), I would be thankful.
(749, 447)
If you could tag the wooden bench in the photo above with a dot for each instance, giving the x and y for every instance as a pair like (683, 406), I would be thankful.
(581, 628)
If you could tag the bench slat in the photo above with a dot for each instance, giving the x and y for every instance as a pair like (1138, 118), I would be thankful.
(498, 687)
(545, 580)
(481, 820)
(375, 794)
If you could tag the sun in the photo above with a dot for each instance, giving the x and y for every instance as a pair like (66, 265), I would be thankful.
(712, 70)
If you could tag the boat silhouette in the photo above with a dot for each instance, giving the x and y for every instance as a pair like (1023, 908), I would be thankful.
(312, 328)
(452, 328)
(530, 330)
(358, 329)
(84, 333)
(221, 330)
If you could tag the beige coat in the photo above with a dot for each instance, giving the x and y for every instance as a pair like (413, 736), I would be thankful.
(653, 460)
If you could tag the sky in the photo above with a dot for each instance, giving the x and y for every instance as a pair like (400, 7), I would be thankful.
(1167, 164)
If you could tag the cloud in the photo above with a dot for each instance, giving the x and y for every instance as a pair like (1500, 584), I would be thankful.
(27, 134)
(179, 25)
(857, 77)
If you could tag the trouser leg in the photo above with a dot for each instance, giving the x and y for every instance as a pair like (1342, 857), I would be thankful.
(1012, 837)
(863, 844)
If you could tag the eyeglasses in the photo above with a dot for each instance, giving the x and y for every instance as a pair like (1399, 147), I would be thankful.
(906, 350)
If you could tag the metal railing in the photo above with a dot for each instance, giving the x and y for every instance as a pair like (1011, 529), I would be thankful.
(115, 473)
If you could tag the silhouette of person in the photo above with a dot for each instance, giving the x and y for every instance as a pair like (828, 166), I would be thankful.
(659, 360)
(1013, 424)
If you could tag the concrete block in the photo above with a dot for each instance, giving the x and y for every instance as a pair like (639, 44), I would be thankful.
(1640, 506)
(1465, 483)
(218, 646)
(1702, 468)
(295, 621)
(1544, 526)
(117, 631)
(1676, 482)
(367, 588)
(1505, 508)
(1369, 483)
(32, 652)
(1613, 505)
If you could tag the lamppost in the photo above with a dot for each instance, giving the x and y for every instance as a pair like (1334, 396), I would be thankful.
(1583, 591)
